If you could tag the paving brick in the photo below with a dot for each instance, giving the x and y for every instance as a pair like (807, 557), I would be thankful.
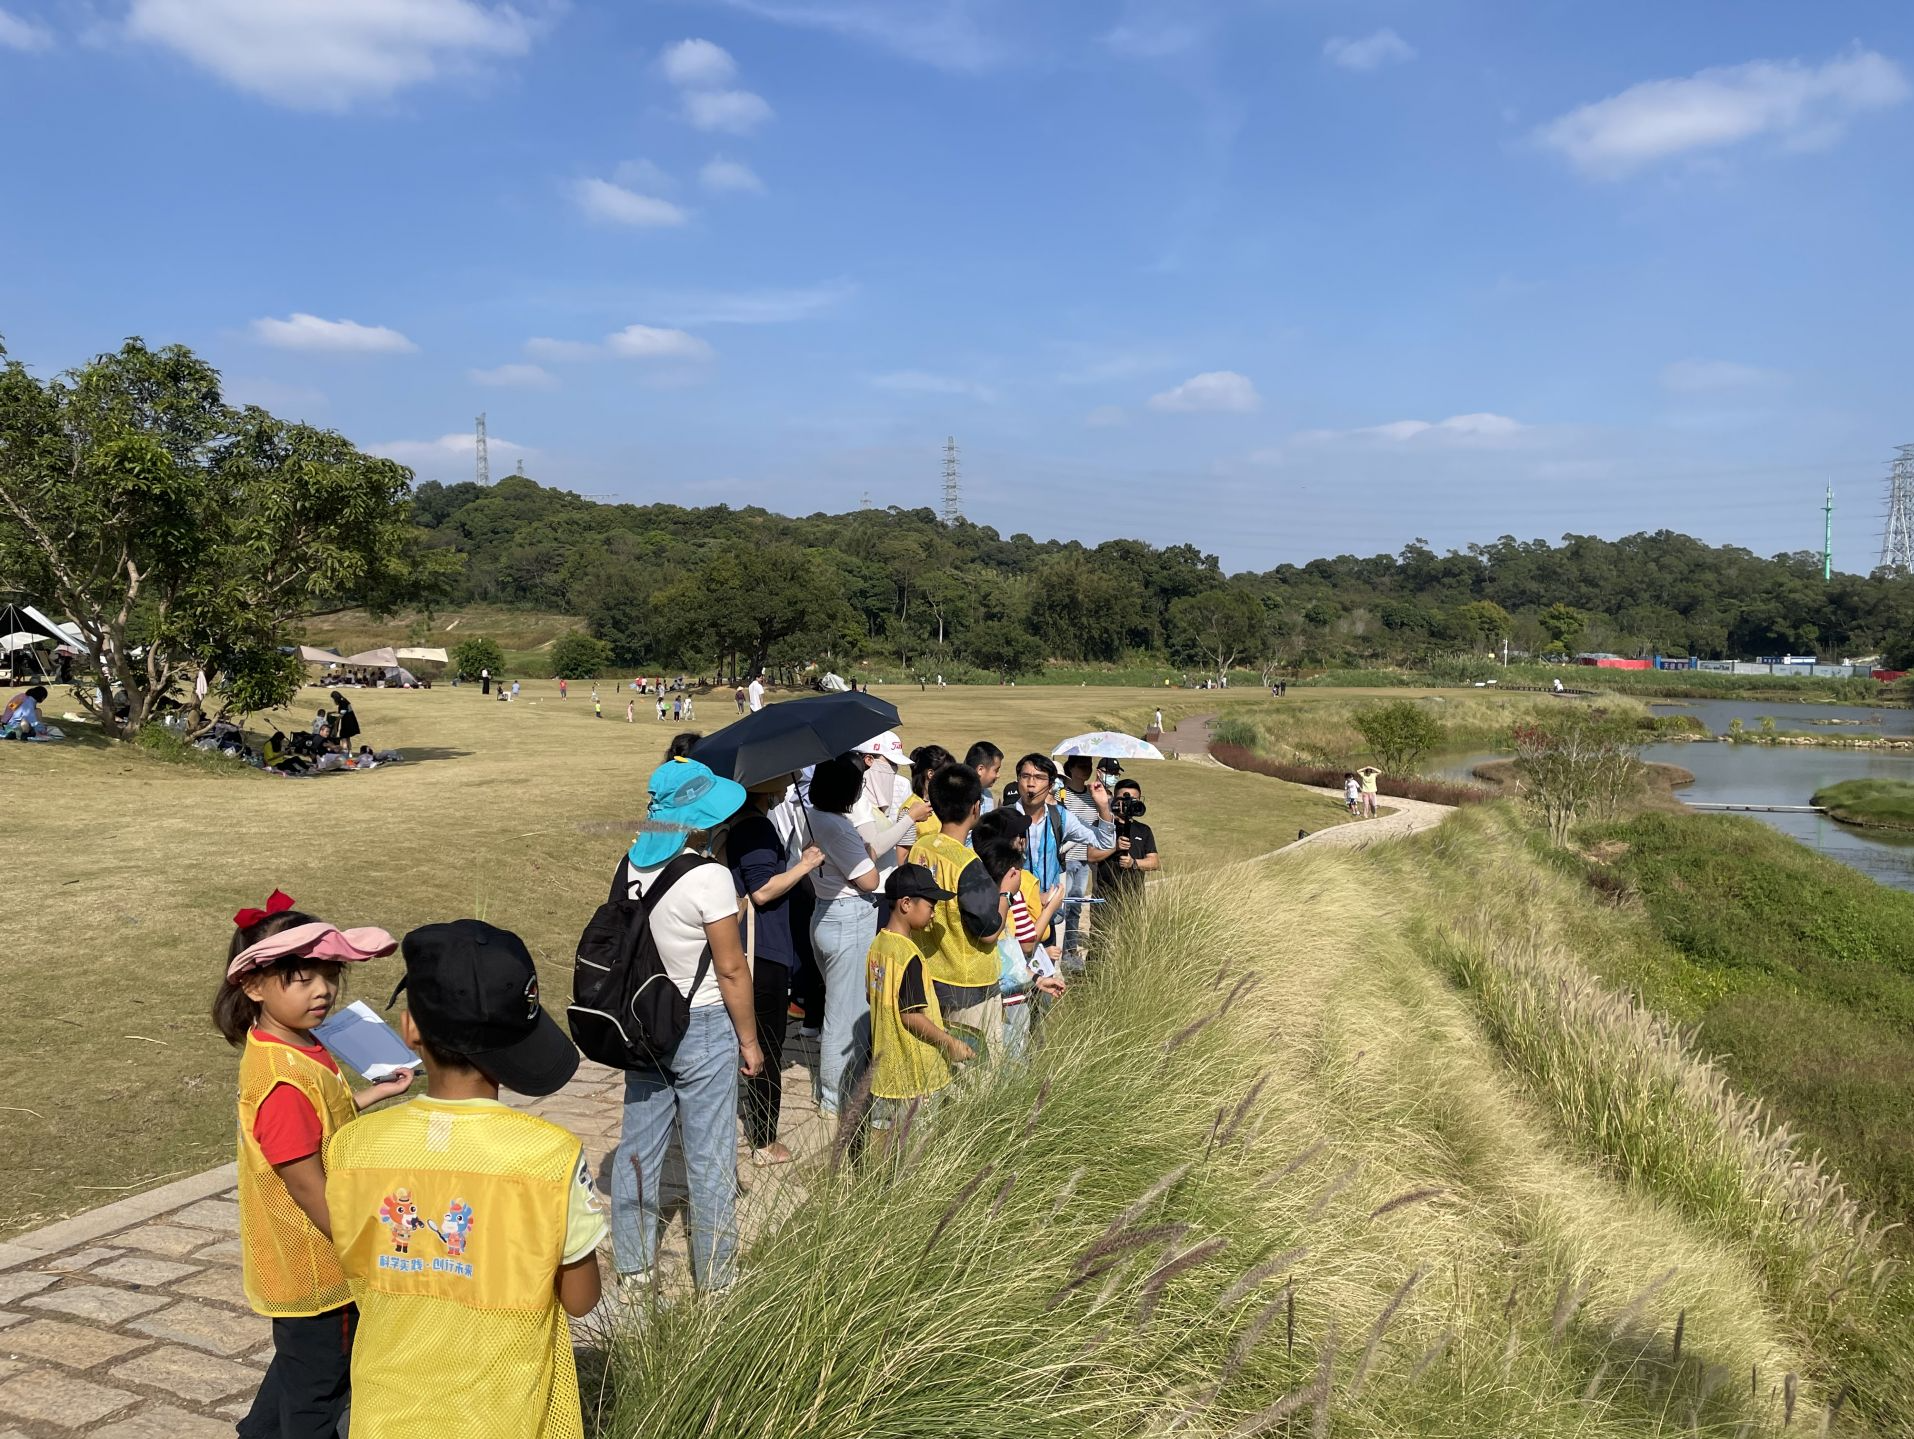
(46, 1396)
(75, 1345)
(19, 1286)
(200, 1378)
(79, 1259)
(216, 1214)
(102, 1306)
(163, 1421)
(168, 1239)
(221, 1284)
(227, 1251)
(139, 1269)
(206, 1326)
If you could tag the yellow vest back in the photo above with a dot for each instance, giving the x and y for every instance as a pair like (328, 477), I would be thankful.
(290, 1271)
(902, 1065)
(950, 954)
(450, 1220)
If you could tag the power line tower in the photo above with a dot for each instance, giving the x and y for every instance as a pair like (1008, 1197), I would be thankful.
(1897, 534)
(1827, 537)
(953, 502)
(484, 458)
(520, 471)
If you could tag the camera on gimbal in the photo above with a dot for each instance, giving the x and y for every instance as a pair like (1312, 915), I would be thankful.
(1126, 807)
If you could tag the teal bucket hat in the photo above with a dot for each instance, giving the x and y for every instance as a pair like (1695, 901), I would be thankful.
(685, 796)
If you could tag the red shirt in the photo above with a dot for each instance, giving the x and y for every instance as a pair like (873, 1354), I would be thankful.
(286, 1125)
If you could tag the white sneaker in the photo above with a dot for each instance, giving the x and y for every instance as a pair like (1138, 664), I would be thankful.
(635, 1290)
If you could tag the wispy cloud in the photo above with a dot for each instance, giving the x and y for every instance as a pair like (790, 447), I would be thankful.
(945, 33)
(703, 72)
(1801, 106)
(19, 33)
(339, 337)
(1213, 392)
(1087, 364)
(728, 112)
(1692, 377)
(448, 454)
(752, 307)
(698, 64)
(644, 176)
(514, 377)
(921, 382)
(332, 54)
(614, 204)
(730, 177)
(634, 342)
(1482, 429)
(1370, 52)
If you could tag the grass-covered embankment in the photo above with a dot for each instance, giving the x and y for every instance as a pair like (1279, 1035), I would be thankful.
(1642, 684)
(1282, 1155)
(1870, 803)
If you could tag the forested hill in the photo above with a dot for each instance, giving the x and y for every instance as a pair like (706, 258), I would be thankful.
(662, 583)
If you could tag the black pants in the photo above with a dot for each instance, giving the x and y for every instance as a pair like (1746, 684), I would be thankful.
(807, 985)
(304, 1393)
(761, 1098)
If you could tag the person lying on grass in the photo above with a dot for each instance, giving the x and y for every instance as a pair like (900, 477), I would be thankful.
(911, 1051)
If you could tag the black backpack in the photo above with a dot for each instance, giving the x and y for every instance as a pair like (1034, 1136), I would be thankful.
(625, 1010)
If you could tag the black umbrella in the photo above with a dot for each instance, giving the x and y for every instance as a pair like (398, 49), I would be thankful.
(785, 737)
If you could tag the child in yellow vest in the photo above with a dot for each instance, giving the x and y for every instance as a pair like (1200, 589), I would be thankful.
(959, 946)
(282, 976)
(467, 1229)
(911, 1051)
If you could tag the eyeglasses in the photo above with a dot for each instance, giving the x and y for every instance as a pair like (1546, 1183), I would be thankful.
(1032, 774)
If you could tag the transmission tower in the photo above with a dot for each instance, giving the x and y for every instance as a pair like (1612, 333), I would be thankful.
(953, 503)
(484, 459)
(1827, 537)
(1897, 534)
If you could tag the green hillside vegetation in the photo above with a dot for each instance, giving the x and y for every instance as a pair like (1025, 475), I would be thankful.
(1873, 803)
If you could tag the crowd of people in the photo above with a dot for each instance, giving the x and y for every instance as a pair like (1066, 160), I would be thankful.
(893, 906)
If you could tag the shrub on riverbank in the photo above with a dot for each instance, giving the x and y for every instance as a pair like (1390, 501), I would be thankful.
(1874, 803)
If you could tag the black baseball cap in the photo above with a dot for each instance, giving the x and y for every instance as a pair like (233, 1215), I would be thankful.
(1109, 766)
(473, 991)
(913, 881)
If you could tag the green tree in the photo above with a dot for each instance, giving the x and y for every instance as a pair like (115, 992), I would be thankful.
(181, 535)
(471, 656)
(1215, 628)
(1564, 624)
(1398, 734)
(578, 656)
(1484, 621)
(1005, 649)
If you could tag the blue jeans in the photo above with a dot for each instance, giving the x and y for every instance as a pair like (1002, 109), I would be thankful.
(699, 1096)
(1076, 888)
(841, 935)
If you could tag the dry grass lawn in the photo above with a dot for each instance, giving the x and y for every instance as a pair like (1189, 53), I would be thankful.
(125, 871)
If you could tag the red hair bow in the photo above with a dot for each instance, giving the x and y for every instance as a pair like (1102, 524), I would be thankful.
(278, 904)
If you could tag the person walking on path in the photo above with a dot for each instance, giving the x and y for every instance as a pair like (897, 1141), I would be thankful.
(1368, 775)
(741, 698)
(563, 691)
(692, 912)
(485, 681)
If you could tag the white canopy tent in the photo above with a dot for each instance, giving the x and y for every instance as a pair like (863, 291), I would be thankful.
(379, 659)
(314, 655)
(425, 654)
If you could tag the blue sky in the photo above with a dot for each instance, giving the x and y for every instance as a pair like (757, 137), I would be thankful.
(1278, 277)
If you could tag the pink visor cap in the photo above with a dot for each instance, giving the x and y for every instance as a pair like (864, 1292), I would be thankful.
(317, 940)
(886, 746)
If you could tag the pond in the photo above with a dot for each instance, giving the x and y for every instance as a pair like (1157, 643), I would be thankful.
(1856, 719)
(1778, 774)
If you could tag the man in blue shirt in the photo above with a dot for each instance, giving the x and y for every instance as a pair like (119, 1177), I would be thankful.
(1055, 832)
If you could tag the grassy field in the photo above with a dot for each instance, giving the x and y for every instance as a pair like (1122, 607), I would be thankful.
(128, 867)
(1871, 803)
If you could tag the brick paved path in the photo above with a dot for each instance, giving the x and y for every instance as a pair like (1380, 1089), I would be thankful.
(129, 1322)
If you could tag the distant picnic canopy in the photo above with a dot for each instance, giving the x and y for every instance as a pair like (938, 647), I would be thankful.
(379, 659)
(428, 654)
(313, 655)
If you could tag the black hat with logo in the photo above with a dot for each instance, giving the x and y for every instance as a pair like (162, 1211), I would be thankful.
(473, 991)
(914, 881)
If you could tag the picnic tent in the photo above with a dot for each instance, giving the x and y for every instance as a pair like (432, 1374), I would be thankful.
(379, 659)
(423, 654)
(314, 655)
(834, 683)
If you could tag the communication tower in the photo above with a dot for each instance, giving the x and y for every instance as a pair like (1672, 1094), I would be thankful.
(953, 503)
(1827, 537)
(484, 459)
(1897, 533)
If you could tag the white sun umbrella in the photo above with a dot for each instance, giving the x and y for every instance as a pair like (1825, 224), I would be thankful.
(1106, 744)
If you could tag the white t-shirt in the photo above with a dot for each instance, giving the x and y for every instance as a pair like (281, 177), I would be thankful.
(845, 856)
(701, 897)
(756, 695)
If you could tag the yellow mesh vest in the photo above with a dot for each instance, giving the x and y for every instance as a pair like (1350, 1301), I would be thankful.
(902, 1065)
(451, 1222)
(950, 954)
(290, 1270)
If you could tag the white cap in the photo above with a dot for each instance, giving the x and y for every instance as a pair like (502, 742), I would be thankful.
(888, 745)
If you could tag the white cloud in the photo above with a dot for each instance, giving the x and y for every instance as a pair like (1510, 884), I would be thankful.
(730, 177)
(643, 175)
(542, 348)
(454, 455)
(341, 337)
(731, 112)
(698, 64)
(1371, 52)
(1214, 392)
(1106, 417)
(19, 34)
(646, 342)
(615, 205)
(1690, 377)
(331, 54)
(920, 382)
(752, 307)
(514, 377)
(1802, 106)
(1481, 429)
(943, 33)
